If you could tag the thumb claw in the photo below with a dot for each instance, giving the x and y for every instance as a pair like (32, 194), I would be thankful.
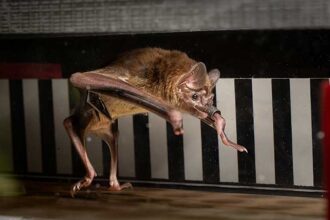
(176, 122)
(179, 131)
(245, 150)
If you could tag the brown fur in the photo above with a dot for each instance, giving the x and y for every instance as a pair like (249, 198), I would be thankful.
(159, 70)
(155, 70)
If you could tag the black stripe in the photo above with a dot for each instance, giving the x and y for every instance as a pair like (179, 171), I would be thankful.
(78, 168)
(315, 85)
(175, 155)
(18, 127)
(142, 147)
(106, 158)
(210, 153)
(47, 127)
(282, 131)
(245, 130)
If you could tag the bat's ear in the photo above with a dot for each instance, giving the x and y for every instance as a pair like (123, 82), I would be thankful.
(214, 75)
(196, 77)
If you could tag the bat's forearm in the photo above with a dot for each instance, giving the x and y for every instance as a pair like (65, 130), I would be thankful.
(122, 90)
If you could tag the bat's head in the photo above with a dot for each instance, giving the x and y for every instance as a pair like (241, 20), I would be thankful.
(194, 90)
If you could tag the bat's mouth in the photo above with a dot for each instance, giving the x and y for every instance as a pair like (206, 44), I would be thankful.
(206, 111)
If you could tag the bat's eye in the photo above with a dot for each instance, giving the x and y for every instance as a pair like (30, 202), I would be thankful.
(194, 97)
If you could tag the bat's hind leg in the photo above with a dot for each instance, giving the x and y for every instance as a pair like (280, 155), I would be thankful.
(110, 136)
(76, 134)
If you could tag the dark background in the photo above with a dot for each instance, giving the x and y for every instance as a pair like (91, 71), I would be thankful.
(239, 54)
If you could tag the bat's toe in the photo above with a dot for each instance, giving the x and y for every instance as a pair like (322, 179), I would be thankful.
(117, 187)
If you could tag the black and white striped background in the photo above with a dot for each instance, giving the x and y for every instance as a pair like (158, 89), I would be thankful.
(276, 119)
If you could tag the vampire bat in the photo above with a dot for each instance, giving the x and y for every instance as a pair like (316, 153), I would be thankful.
(143, 80)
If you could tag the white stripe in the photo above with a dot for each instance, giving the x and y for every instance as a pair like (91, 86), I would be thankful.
(225, 93)
(94, 149)
(158, 147)
(126, 155)
(32, 125)
(302, 152)
(6, 152)
(263, 131)
(192, 141)
(61, 111)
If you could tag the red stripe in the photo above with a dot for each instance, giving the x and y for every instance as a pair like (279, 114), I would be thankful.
(326, 130)
(30, 70)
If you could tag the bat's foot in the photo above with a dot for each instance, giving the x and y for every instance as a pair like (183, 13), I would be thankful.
(81, 184)
(115, 186)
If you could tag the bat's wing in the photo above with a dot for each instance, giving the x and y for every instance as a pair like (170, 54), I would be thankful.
(94, 100)
(118, 87)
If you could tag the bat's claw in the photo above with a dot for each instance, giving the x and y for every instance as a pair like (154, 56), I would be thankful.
(242, 149)
(117, 187)
(229, 143)
(178, 131)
